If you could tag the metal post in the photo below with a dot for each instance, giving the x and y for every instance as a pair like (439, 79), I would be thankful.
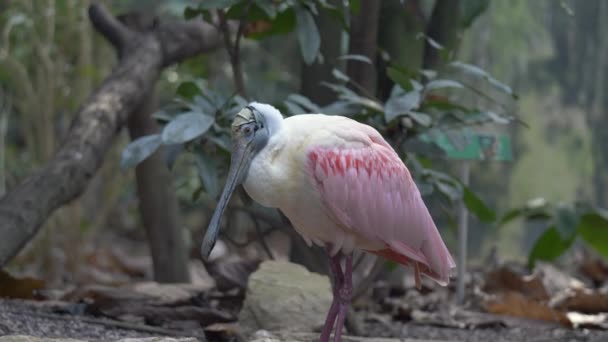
(463, 227)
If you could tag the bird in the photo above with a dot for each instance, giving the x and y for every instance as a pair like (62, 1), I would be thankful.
(342, 187)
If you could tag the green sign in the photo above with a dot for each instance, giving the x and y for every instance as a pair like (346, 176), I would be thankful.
(468, 145)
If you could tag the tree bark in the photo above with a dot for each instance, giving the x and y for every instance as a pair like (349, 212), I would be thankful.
(331, 44)
(597, 114)
(363, 41)
(398, 36)
(443, 28)
(25, 208)
(158, 205)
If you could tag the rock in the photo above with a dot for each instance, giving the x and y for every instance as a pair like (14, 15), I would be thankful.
(24, 338)
(283, 296)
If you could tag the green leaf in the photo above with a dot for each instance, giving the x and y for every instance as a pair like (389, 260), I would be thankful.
(549, 246)
(304, 102)
(214, 4)
(480, 73)
(207, 172)
(191, 12)
(470, 10)
(197, 194)
(432, 42)
(140, 149)
(448, 189)
(593, 229)
(429, 74)
(421, 119)
(477, 206)
(438, 84)
(268, 7)
(401, 104)
(566, 221)
(358, 58)
(171, 154)
(222, 142)
(188, 90)
(162, 116)
(283, 23)
(339, 75)
(308, 35)
(511, 215)
(442, 105)
(363, 101)
(497, 118)
(400, 77)
(186, 127)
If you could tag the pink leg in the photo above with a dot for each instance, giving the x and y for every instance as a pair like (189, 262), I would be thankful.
(338, 280)
(345, 294)
(342, 292)
(329, 321)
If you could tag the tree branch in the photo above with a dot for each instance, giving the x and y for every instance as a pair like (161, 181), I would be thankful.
(26, 207)
(234, 49)
(109, 26)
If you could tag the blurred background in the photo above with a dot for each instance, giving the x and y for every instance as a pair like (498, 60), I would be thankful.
(531, 71)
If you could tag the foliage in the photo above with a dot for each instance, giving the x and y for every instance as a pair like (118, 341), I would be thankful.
(565, 222)
(420, 102)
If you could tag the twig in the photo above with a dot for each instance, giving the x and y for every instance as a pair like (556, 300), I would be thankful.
(259, 232)
(234, 50)
(247, 242)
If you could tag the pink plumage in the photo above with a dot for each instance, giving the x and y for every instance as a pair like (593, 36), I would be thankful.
(369, 191)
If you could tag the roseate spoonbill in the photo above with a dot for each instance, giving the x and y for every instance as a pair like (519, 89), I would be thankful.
(342, 186)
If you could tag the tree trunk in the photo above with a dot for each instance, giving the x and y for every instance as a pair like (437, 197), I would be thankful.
(26, 207)
(398, 36)
(597, 114)
(158, 206)
(331, 48)
(363, 41)
(444, 28)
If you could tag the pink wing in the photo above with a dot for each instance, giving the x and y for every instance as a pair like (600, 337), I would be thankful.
(368, 189)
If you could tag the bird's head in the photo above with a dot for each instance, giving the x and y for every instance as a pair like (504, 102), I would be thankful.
(252, 127)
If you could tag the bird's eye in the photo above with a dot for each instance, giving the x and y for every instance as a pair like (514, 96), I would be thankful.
(247, 130)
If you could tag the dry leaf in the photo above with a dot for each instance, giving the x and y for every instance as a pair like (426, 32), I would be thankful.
(257, 27)
(516, 304)
(595, 269)
(504, 279)
(22, 288)
(581, 300)
(222, 332)
(150, 302)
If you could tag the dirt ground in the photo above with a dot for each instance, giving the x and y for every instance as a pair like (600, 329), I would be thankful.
(23, 317)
